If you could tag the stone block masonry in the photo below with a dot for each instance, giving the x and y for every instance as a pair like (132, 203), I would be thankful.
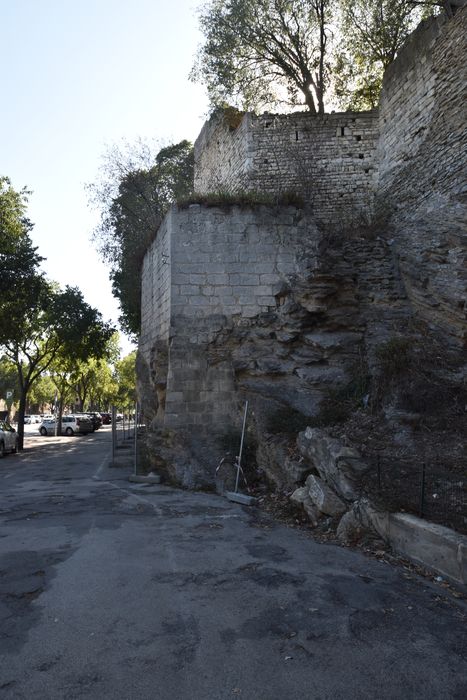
(329, 159)
(207, 270)
(422, 173)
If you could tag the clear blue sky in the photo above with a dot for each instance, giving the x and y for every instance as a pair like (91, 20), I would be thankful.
(75, 77)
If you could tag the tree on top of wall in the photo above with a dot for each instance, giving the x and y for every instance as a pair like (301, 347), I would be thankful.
(372, 32)
(261, 54)
(135, 190)
(264, 53)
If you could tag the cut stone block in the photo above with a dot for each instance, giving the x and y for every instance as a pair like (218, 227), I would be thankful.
(240, 498)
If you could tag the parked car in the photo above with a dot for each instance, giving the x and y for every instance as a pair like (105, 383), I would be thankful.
(106, 418)
(8, 438)
(89, 417)
(32, 419)
(70, 425)
(96, 419)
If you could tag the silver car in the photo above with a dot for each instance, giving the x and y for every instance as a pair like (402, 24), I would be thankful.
(8, 439)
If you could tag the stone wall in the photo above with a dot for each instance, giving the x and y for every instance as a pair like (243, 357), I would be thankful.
(156, 281)
(206, 272)
(222, 155)
(261, 305)
(329, 159)
(268, 302)
(422, 152)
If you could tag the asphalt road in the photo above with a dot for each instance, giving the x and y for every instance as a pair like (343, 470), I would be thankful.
(114, 590)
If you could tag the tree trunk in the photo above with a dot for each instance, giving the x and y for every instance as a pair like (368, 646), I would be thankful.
(58, 418)
(309, 99)
(21, 413)
(321, 11)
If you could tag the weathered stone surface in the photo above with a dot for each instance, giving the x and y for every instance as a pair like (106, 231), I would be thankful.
(339, 466)
(313, 513)
(226, 477)
(323, 498)
(350, 528)
(318, 154)
(274, 459)
(300, 495)
(423, 160)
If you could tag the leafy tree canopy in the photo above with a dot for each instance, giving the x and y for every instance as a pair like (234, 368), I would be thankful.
(125, 375)
(38, 320)
(8, 378)
(265, 53)
(372, 32)
(19, 260)
(135, 190)
(259, 54)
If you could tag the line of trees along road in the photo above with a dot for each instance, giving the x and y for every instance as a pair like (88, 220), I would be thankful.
(39, 321)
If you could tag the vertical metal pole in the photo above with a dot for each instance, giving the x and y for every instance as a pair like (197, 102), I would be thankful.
(114, 431)
(378, 465)
(136, 437)
(239, 458)
(422, 490)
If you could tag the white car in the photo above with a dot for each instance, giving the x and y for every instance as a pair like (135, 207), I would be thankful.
(70, 425)
(8, 438)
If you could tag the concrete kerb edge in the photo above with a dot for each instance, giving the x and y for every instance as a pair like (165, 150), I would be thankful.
(145, 478)
(433, 546)
(241, 498)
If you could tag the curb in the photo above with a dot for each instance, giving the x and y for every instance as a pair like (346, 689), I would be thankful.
(145, 479)
(433, 546)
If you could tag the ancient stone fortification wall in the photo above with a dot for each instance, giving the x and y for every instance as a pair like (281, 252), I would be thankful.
(260, 306)
(225, 268)
(422, 147)
(222, 157)
(264, 302)
(329, 159)
(156, 281)
(423, 164)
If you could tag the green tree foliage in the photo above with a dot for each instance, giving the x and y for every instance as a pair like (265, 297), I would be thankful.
(8, 378)
(104, 388)
(372, 32)
(259, 54)
(42, 393)
(20, 281)
(264, 53)
(56, 322)
(135, 190)
(125, 376)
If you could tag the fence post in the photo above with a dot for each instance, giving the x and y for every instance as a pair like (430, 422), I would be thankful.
(136, 437)
(422, 491)
(114, 432)
(378, 466)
